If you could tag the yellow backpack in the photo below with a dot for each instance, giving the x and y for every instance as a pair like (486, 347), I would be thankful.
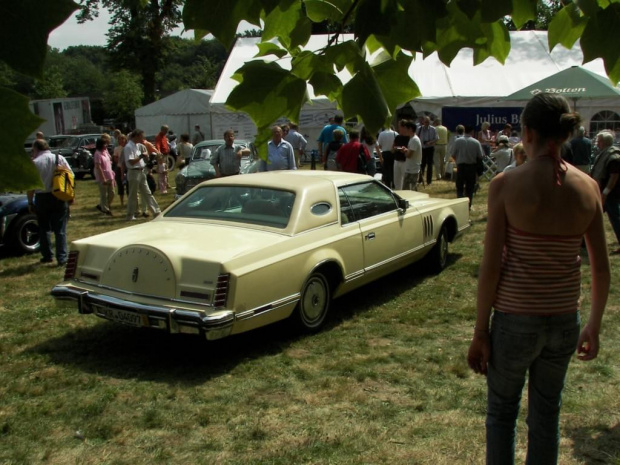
(63, 183)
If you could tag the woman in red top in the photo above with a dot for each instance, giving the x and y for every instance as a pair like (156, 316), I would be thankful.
(537, 217)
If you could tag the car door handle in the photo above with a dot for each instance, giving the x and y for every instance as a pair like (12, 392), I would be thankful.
(370, 236)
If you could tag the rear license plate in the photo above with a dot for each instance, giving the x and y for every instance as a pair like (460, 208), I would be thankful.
(120, 316)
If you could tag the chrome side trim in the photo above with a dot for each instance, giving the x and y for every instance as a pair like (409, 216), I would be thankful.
(355, 275)
(292, 299)
(399, 256)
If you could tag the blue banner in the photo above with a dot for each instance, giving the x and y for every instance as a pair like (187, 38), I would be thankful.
(475, 116)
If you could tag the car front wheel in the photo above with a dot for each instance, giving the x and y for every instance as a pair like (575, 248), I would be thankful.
(24, 235)
(438, 256)
(314, 302)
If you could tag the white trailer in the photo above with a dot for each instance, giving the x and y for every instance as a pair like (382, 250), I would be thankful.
(61, 115)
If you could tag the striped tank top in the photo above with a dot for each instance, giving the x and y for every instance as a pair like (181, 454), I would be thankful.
(540, 274)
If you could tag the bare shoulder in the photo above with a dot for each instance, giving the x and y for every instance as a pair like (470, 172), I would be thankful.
(581, 180)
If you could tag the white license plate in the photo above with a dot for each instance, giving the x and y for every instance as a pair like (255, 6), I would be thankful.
(120, 316)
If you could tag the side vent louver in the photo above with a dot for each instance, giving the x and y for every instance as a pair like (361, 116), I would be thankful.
(429, 228)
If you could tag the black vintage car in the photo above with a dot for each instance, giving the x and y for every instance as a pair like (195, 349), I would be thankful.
(19, 230)
(79, 150)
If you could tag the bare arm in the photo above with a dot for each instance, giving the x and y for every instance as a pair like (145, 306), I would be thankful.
(488, 277)
(588, 345)
(243, 151)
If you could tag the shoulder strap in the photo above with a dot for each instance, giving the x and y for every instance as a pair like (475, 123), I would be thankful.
(56, 159)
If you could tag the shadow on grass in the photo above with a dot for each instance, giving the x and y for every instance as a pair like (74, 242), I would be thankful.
(146, 354)
(383, 290)
(24, 264)
(596, 445)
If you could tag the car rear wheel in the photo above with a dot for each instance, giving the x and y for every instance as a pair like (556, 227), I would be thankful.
(314, 303)
(24, 235)
(171, 162)
(438, 256)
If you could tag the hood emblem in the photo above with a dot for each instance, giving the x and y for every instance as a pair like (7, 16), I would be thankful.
(134, 275)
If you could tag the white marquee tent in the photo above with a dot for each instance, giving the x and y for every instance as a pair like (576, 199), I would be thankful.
(180, 111)
(461, 84)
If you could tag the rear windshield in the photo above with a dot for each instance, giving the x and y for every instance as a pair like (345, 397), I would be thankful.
(240, 204)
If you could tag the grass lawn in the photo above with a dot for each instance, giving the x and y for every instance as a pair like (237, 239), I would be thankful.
(386, 382)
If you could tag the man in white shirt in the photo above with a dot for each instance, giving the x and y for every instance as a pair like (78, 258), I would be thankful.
(135, 161)
(52, 213)
(414, 158)
(293, 137)
(385, 141)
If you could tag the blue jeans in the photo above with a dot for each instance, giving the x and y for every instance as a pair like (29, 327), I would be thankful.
(612, 207)
(542, 345)
(52, 215)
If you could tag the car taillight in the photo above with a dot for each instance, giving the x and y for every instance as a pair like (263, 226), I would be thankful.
(71, 266)
(221, 290)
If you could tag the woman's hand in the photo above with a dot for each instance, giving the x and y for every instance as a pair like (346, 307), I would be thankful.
(479, 353)
(588, 345)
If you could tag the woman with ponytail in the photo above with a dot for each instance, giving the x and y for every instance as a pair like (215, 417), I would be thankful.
(530, 278)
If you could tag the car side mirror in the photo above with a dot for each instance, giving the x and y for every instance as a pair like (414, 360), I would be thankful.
(403, 204)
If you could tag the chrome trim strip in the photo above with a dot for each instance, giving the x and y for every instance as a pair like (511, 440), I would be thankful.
(398, 257)
(149, 296)
(222, 322)
(356, 274)
(268, 307)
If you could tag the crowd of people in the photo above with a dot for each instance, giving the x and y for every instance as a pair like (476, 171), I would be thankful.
(415, 153)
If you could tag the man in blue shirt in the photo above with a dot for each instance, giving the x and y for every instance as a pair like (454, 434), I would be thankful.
(281, 153)
(326, 135)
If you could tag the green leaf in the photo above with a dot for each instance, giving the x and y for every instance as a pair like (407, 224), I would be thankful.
(589, 7)
(268, 92)
(395, 81)
(566, 27)
(269, 48)
(321, 10)
(523, 11)
(493, 10)
(599, 39)
(220, 17)
(288, 24)
(18, 172)
(327, 84)
(497, 44)
(469, 7)
(24, 28)
(414, 26)
(457, 31)
(373, 17)
(345, 54)
(362, 97)
(306, 63)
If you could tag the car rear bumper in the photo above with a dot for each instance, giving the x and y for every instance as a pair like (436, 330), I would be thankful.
(214, 326)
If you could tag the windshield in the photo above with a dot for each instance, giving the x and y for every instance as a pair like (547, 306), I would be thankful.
(204, 152)
(69, 142)
(56, 142)
(240, 204)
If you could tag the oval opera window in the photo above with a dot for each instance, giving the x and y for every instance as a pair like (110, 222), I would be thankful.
(321, 208)
(605, 119)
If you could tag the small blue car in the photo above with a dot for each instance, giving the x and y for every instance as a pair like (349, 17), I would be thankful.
(19, 230)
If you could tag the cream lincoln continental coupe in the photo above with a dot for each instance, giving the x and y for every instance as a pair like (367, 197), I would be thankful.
(237, 253)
